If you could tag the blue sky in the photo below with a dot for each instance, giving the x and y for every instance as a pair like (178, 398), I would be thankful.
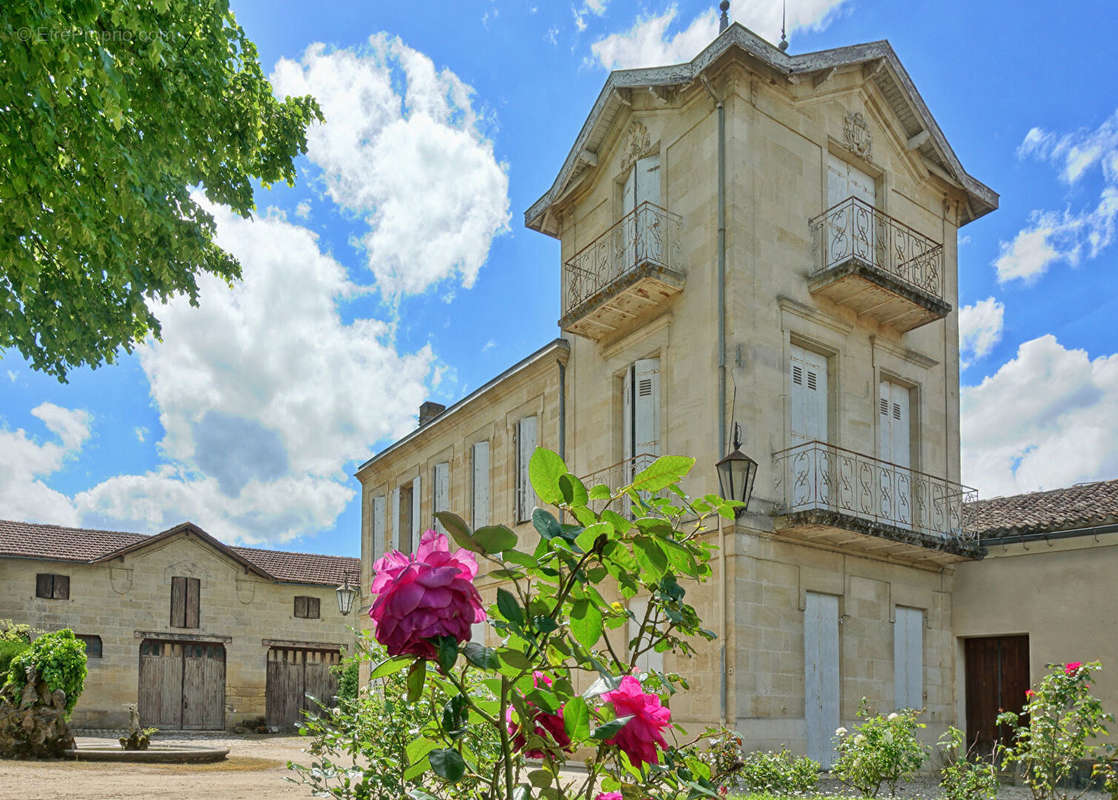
(398, 269)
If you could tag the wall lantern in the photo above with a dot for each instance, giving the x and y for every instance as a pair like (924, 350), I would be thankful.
(736, 472)
(346, 595)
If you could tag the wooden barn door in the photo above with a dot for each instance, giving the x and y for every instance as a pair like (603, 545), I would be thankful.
(182, 685)
(997, 676)
(294, 677)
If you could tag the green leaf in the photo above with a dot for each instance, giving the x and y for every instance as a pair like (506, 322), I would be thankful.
(458, 529)
(509, 608)
(447, 764)
(650, 556)
(447, 651)
(480, 656)
(590, 535)
(495, 539)
(418, 749)
(609, 729)
(576, 719)
(544, 522)
(544, 470)
(600, 492)
(390, 666)
(514, 658)
(417, 768)
(586, 623)
(662, 472)
(573, 491)
(417, 675)
(539, 778)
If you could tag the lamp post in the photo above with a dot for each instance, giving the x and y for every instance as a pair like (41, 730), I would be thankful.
(346, 595)
(736, 473)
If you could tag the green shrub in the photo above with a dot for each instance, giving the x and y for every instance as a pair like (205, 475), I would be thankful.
(966, 777)
(59, 658)
(781, 772)
(8, 651)
(17, 632)
(1060, 728)
(348, 673)
(882, 750)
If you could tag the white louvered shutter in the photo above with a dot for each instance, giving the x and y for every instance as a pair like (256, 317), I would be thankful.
(378, 526)
(646, 419)
(893, 445)
(526, 445)
(396, 518)
(627, 414)
(908, 658)
(416, 519)
(807, 396)
(480, 486)
(441, 495)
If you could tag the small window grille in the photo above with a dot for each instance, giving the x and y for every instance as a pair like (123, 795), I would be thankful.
(884, 407)
(797, 374)
(811, 380)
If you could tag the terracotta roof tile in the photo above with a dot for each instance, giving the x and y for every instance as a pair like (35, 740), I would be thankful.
(58, 543)
(1083, 505)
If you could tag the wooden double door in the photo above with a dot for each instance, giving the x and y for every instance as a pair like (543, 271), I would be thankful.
(182, 685)
(997, 677)
(295, 676)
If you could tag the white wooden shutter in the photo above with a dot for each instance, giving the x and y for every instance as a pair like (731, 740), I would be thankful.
(480, 489)
(416, 519)
(807, 396)
(627, 414)
(440, 498)
(526, 445)
(908, 658)
(648, 180)
(821, 684)
(845, 180)
(894, 429)
(396, 518)
(650, 661)
(646, 419)
(378, 526)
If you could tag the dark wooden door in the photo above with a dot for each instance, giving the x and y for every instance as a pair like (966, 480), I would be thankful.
(182, 685)
(997, 676)
(295, 677)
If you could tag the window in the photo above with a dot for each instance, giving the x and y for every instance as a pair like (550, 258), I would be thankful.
(52, 587)
(479, 488)
(378, 526)
(807, 396)
(641, 415)
(440, 493)
(894, 446)
(92, 645)
(527, 437)
(405, 516)
(306, 607)
(908, 658)
(185, 593)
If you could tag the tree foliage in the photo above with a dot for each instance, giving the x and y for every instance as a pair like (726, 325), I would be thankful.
(59, 658)
(111, 112)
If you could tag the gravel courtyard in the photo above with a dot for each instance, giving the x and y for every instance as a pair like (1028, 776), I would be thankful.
(255, 768)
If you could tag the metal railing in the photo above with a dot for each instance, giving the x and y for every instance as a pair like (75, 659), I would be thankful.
(617, 475)
(853, 230)
(647, 235)
(816, 476)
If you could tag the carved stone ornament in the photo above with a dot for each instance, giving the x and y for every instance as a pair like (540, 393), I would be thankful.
(637, 144)
(856, 134)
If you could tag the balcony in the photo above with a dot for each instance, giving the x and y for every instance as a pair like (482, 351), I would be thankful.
(628, 274)
(877, 266)
(836, 496)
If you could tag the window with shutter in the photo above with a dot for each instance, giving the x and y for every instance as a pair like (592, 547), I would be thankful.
(92, 645)
(185, 602)
(526, 440)
(479, 488)
(807, 396)
(908, 658)
(405, 505)
(395, 505)
(440, 499)
(378, 527)
(307, 607)
(52, 587)
(300, 606)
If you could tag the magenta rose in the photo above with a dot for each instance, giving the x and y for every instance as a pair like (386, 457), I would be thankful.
(424, 596)
(608, 796)
(1072, 667)
(544, 724)
(643, 733)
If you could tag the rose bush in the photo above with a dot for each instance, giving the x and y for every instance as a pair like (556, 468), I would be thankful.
(552, 630)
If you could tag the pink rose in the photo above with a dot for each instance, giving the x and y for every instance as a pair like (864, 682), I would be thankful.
(1072, 667)
(1030, 694)
(608, 796)
(423, 596)
(544, 724)
(641, 734)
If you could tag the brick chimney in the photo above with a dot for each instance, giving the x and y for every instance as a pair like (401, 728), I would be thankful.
(428, 411)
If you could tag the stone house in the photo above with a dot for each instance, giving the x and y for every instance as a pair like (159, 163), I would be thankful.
(763, 240)
(201, 635)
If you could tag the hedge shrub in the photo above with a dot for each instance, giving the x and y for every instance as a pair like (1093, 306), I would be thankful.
(59, 658)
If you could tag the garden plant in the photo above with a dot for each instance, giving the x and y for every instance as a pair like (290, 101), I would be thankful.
(561, 684)
(966, 775)
(882, 750)
(1058, 731)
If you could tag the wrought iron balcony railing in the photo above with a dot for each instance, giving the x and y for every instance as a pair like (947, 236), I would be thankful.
(816, 476)
(855, 231)
(617, 475)
(647, 235)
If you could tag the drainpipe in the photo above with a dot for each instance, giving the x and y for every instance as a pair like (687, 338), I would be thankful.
(721, 111)
(562, 410)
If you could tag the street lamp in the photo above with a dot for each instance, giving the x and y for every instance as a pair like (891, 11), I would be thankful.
(736, 472)
(346, 594)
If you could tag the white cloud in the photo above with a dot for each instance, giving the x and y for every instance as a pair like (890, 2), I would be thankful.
(552, 35)
(141, 433)
(648, 43)
(264, 394)
(402, 148)
(1068, 235)
(303, 209)
(1045, 419)
(980, 328)
(27, 461)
